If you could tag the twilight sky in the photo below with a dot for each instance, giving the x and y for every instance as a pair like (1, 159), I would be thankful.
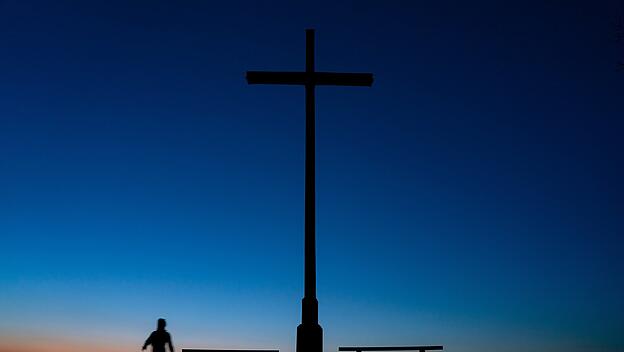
(471, 198)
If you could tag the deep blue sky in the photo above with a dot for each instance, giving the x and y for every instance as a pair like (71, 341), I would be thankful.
(472, 197)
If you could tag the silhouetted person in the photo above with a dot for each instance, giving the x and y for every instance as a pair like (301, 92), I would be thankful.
(159, 338)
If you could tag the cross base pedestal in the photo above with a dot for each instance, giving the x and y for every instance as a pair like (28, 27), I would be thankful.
(309, 337)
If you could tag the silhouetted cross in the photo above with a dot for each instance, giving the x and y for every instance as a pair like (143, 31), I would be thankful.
(309, 333)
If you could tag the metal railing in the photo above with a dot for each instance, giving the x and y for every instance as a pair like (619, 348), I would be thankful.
(222, 350)
(390, 348)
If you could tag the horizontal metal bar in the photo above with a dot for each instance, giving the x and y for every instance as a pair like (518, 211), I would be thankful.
(392, 348)
(266, 77)
(314, 78)
(221, 350)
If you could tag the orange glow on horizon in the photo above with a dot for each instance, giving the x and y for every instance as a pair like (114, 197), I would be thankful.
(52, 344)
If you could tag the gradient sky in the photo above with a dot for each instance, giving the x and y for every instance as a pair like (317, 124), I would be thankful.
(471, 198)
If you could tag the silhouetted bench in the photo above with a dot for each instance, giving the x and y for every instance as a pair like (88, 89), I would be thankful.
(221, 350)
(391, 348)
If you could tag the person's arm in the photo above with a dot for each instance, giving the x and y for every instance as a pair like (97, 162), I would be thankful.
(148, 341)
(170, 345)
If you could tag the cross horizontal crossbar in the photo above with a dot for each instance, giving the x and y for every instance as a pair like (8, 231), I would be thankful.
(220, 350)
(312, 78)
(392, 348)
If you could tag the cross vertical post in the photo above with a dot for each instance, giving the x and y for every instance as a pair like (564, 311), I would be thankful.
(309, 332)
(310, 188)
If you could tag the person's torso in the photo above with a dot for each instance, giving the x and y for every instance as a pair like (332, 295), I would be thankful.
(159, 339)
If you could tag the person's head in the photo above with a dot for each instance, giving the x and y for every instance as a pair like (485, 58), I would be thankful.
(161, 324)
